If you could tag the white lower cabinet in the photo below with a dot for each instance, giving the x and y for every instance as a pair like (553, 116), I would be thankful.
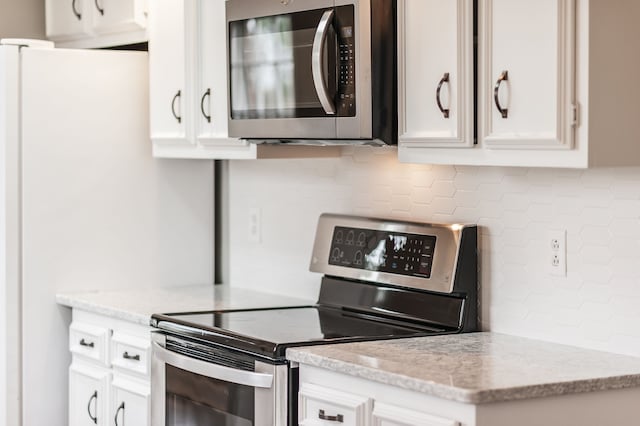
(327, 398)
(130, 401)
(88, 395)
(109, 374)
(330, 398)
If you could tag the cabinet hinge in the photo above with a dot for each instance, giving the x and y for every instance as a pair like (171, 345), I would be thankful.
(575, 109)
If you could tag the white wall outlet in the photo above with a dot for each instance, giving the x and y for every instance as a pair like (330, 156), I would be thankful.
(556, 253)
(255, 225)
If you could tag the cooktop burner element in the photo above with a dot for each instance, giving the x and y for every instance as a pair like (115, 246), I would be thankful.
(383, 280)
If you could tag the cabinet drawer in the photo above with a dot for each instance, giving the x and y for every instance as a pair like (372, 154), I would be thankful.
(391, 415)
(89, 341)
(320, 406)
(130, 353)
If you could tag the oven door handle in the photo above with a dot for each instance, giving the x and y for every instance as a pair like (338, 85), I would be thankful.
(317, 62)
(214, 371)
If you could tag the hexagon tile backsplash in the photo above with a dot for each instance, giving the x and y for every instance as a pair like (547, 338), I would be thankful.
(596, 305)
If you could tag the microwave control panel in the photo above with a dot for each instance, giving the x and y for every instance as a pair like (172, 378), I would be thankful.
(383, 251)
(346, 97)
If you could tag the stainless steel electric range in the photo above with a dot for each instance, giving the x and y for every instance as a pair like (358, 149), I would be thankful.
(382, 279)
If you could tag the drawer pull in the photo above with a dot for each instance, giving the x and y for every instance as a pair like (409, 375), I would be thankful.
(94, 397)
(338, 418)
(131, 357)
(86, 344)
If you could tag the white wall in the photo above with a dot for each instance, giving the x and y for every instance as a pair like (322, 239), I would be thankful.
(22, 19)
(595, 306)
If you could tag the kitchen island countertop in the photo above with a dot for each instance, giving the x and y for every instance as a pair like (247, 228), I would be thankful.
(477, 368)
(137, 306)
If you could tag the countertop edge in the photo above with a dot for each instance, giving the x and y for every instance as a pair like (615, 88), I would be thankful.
(132, 317)
(467, 396)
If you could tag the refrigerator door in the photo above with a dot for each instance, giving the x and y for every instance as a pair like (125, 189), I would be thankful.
(98, 212)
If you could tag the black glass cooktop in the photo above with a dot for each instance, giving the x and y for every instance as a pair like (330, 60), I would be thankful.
(268, 332)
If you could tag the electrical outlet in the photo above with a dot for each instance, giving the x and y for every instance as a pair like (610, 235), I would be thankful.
(255, 225)
(557, 253)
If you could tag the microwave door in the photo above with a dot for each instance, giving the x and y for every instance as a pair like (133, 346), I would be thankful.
(283, 76)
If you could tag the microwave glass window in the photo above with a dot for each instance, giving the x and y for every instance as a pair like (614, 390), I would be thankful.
(271, 65)
(196, 400)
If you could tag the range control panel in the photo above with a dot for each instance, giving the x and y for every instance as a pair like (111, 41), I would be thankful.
(383, 251)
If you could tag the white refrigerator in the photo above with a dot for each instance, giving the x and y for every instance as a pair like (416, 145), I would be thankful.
(83, 207)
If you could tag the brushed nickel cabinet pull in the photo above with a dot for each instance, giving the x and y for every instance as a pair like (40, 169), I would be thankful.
(339, 418)
(86, 344)
(503, 77)
(131, 357)
(444, 79)
(94, 397)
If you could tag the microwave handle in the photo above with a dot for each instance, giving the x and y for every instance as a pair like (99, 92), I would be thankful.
(317, 62)
(214, 371)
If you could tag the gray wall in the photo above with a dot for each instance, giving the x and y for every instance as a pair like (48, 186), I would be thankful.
(22, 19)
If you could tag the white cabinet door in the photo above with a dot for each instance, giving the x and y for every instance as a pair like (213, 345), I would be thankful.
(211, 70)
(110, 16)
(169, 95)
(67, 18)
(436, 72)
(88, 395)
(129, 402)
(526, 73)
(391, 415)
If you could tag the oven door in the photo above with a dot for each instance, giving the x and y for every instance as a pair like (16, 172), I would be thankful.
(297, 70)
(189, 391)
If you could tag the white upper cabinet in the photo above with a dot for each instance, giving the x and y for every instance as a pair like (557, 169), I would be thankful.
(555, 83)
(211, 80)
(169, 108)
(111, 16)
(189, 90)
(96, 23)
(436, 69)
(188, 81)
(67, 19)
(526, 73)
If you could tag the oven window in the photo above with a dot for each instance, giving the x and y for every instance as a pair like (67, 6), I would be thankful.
(194, 400)
(270, 66)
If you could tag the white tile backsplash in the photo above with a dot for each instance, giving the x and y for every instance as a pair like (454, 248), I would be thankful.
(595, 306)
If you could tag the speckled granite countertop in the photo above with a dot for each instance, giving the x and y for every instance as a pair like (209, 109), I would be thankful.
(478, 367)
(137, 306)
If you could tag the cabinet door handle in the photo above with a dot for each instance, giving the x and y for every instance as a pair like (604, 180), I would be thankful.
(337, 418)
(75, 11)
(496, 91)
(173, 106)
(115, 419)
(444, 79)
(207, 116)
(94, 397)
(100, 9)
(131, 357)
(86, 344)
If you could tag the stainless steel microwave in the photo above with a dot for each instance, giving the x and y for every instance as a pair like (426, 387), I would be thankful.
(312, 71)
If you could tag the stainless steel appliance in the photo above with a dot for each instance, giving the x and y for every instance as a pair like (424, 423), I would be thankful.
(312, 70)
(383, 280)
